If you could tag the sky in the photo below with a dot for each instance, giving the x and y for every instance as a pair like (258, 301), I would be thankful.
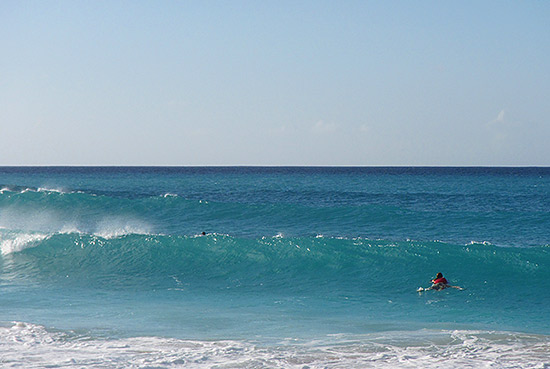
(362, 83)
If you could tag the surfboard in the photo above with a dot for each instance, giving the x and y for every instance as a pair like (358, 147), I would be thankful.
(422, 289)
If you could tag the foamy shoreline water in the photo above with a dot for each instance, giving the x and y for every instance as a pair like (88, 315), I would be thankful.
(33, 346)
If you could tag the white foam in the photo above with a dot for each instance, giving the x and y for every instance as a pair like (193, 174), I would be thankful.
(47, 190)
(168, 194)
(70, 229)
(119, 232)
(21, 230)
(114, 228)
(33, 346)
(485, 243)
(51, 190)
(10, 243)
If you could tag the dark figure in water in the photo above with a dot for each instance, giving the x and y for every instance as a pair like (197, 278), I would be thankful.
(439, 283)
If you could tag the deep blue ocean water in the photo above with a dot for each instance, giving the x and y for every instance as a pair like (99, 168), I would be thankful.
(299, 267)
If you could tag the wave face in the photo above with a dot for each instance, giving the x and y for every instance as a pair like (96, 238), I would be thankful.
(350, 277)
(223, 261)
(306, 254)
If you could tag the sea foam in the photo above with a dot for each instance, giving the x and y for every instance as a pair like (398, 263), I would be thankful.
(426, 349)
(10, 243)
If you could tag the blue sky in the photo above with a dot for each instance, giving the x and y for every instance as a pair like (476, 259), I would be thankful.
(274, 83)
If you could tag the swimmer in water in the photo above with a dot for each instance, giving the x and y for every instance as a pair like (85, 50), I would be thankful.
(439, 283)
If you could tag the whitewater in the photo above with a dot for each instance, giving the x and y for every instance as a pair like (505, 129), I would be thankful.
(254, 267)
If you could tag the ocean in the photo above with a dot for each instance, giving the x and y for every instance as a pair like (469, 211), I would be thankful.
(274, 267)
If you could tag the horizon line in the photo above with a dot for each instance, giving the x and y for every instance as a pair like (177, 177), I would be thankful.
(263, 166)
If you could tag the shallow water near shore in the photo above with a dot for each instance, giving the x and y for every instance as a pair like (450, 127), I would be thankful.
(298, 267)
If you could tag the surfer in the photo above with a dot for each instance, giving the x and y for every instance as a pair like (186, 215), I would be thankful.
(439, 283)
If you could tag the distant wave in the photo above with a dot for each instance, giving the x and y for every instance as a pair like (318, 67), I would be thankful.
(18, 189)
(290, 212)
(23, 189)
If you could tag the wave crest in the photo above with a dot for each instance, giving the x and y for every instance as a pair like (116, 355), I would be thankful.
(10, 243)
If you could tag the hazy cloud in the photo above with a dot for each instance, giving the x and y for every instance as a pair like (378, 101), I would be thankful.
(363, 128)
(279, 130)
(499, 118)
(322, 128)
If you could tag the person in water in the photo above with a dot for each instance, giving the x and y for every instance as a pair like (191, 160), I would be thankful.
(439, 283)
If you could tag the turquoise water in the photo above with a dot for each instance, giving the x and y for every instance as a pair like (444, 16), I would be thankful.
(295, 262)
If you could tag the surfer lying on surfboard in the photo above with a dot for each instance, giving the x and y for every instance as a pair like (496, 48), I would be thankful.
(439, 283)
